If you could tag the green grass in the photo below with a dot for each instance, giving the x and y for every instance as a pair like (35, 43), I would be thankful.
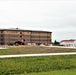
(32, 49)
(59, 72)
(29, 65)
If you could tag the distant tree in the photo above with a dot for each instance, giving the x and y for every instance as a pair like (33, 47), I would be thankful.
(56, 43)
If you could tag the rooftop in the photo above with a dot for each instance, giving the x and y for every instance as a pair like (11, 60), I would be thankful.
(71, 40)
(18, 29)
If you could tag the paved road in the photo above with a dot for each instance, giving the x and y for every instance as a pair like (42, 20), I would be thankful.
(61, 47)
(33, 55)
(3, 48)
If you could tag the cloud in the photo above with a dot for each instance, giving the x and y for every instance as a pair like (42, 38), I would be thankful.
(56, 16)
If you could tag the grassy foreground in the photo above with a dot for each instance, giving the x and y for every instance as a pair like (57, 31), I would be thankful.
(59, 72)
(39, 65)
(33, 49)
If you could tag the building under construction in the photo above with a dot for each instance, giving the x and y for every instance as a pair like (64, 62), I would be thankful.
(20, 36)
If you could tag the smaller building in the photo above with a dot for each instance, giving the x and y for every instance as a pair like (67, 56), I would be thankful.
(70, 43)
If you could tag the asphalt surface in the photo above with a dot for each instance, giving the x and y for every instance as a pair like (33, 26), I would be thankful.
(61, 47)
(34, 55)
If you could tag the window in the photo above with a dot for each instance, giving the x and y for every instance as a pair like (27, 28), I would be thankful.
(13, 31)
(1, 31)
(1, 39)
(1, 43)
(1, 35)
(20, 32)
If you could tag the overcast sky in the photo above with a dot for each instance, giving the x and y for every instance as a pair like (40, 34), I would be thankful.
(59, 17)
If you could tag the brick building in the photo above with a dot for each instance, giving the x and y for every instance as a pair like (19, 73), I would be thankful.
(20, 36)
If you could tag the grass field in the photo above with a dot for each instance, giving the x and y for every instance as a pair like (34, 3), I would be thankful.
(32, 49)
(56, 65)
(59, 72)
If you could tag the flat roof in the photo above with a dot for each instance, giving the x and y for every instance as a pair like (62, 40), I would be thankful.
(17, 29)
(71, 40)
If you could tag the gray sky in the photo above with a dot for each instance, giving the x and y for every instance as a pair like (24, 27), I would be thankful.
(58, 16)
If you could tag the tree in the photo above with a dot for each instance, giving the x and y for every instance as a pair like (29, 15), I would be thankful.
(56, 43)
